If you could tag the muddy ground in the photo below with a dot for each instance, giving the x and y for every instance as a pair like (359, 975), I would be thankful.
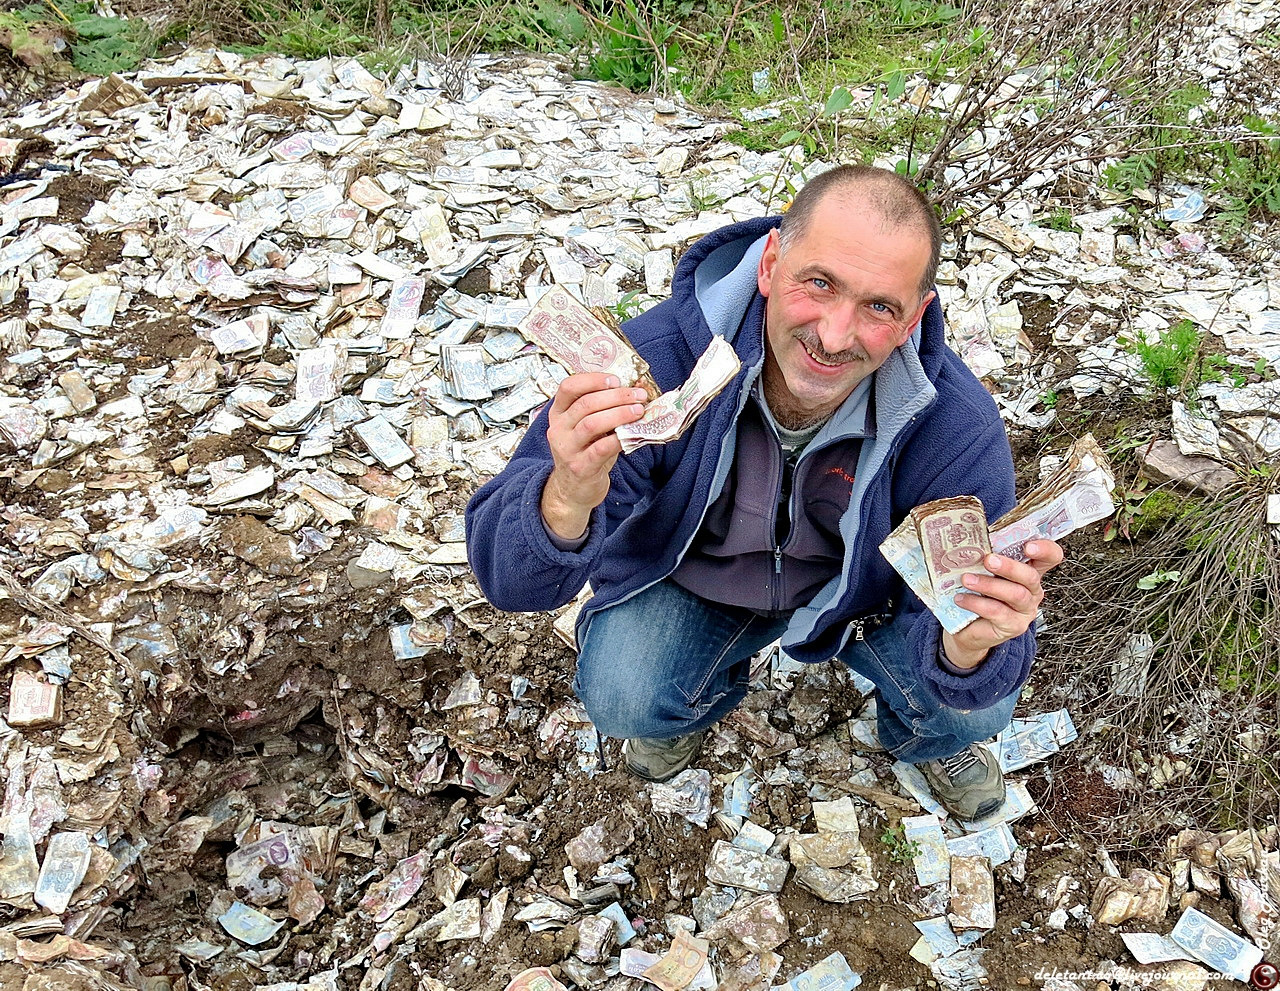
(273, 681)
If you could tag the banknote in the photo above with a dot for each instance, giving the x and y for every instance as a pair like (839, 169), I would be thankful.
(582, 342)
(65, 862)
(937, 933)
(829, 974)
(678, 967)
(973, 894)
(996, 844)
(1215, 945)
(633, 962)
(1153, 948)
(100, 306)
(464, 365)
(248, 924)
(932, 859)
(403, 307)
(1078, 492)
(672, 413)
(1025, 741)
(741, 868)
(954, 536)
(383, 441)
(319, 372)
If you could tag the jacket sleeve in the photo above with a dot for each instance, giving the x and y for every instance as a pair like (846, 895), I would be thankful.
(514, 560)
(983, 468)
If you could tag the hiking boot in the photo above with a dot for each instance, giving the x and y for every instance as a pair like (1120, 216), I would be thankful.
(658, 760)
(968, 784)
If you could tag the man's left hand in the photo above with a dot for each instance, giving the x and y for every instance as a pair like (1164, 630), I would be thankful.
(1006, 605)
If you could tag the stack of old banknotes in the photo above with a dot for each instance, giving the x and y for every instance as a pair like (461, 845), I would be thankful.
(584, 341)
(940, 542)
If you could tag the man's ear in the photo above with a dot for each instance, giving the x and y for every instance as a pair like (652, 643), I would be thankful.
(919, 315)
(768, 264)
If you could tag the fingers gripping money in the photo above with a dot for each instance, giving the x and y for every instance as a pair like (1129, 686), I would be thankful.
(599, 412)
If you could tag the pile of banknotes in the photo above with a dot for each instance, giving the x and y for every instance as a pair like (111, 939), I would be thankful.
(582, 341)
(941, 541)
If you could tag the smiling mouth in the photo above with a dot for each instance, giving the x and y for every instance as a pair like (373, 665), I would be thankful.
(824, 362)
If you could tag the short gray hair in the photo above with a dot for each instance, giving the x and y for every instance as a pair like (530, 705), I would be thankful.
(898, 201)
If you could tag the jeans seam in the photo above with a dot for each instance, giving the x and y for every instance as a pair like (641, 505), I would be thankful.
(714, 666)
(897, 684)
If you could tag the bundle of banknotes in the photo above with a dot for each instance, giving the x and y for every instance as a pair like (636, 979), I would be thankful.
(671, 414)
(940, 542)
(583, 341)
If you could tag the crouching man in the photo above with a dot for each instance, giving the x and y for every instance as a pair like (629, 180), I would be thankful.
(764, 520)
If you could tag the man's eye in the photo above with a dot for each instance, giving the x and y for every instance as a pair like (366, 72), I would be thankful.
(882, 309)
(820, 284)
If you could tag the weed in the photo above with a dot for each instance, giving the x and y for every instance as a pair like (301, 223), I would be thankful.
(1059, 220)
(900, 849)
(98, 45)
(1157, 578)
(635, 45)
(1049, 398)
(1173, 361)
(628, 305)
(1214, 660)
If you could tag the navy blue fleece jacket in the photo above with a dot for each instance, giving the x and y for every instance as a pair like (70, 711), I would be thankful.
(937, 433)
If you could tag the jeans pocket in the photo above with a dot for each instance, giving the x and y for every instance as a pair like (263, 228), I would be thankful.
(704, 692)
(903, 689)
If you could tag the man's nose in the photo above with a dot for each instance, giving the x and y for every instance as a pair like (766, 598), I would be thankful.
(838, 328)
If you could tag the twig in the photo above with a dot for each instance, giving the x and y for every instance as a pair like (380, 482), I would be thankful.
(879, 796)
(41, 606)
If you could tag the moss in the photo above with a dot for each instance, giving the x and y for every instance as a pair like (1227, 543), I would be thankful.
(1158, 510)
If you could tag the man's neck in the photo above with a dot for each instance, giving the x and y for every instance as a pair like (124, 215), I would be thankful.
(783, 405)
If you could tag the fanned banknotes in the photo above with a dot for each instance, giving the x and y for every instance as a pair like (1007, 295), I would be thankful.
(936, 544)
(581, 341)
(671, 414)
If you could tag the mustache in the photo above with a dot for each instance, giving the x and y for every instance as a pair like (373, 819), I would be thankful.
(810, 340)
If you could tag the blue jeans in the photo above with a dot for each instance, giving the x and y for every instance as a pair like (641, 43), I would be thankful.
(666, 662)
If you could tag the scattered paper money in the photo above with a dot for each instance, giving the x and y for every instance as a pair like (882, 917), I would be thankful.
(932, 858)
(678, 967)
(741, 868)
(582, 342)
(829, 974)
(403, 307)
(248, 924)
(1076, 494)
(1215, 945)
(1025, 741)
(672, 413)
(65, 862)
(688, 794)
(996, 844)
(1153, 948)
(973, 894)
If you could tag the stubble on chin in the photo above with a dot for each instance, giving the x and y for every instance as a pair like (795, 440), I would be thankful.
(784, 406)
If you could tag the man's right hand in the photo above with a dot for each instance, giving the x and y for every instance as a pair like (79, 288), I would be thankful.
(584, 414)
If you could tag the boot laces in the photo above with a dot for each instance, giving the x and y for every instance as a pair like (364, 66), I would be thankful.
(957, 764)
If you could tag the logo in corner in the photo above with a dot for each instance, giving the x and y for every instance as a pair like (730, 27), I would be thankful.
(1265, 976)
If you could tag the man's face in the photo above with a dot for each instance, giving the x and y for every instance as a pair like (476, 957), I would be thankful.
(837, 304)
